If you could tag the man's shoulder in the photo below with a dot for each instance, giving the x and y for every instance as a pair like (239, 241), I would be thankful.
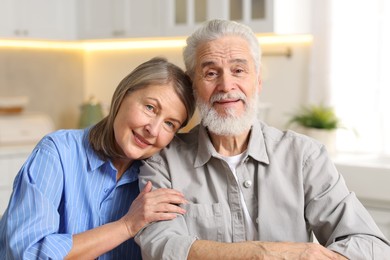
(275, 136)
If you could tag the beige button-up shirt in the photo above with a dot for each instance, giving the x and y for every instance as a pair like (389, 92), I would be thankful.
(290, 186)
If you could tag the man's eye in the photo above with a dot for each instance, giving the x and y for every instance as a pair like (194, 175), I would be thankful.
(211, 75)
(238, 71)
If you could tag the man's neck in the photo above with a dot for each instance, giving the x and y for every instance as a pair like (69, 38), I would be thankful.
(230, 145)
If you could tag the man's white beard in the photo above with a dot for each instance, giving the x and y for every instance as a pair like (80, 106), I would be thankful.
(230, 123)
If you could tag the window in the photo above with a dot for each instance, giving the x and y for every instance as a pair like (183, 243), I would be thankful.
(359, 73)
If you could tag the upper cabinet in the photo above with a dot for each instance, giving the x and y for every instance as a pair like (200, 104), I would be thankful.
(181, 17)
(38, 19)
(102, 19)
(150, 18)
(119, 18)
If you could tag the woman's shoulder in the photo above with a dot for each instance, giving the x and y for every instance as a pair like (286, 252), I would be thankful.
(64, 139)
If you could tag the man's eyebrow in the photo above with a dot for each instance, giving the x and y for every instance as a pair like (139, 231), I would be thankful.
(244, 61)
(206, 64)
(232, 61)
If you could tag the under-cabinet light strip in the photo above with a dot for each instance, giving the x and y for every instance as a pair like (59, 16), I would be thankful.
(112, 45)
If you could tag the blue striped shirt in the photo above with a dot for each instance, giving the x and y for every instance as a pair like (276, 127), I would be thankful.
(64, 188)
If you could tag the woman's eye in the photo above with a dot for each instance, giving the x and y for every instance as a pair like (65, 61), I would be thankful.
(170, 124)
(149, 107)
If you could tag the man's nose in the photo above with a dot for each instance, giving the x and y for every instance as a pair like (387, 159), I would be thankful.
(225, 82)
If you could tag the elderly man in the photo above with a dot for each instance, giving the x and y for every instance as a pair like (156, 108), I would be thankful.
(253, 191)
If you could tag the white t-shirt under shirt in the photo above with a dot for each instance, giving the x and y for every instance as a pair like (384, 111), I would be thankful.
(251, 231)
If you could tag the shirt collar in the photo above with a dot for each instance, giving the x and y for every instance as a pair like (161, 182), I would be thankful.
(94, 161)
(131, 174)
(256, 146)
(93, 158)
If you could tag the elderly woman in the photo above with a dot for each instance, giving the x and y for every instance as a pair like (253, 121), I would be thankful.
(77, 195)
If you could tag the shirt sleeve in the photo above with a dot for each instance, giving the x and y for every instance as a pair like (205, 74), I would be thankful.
(337, 217)
(32, 220)
(164, 239)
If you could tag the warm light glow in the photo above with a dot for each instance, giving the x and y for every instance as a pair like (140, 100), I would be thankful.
(157, 43)
(35, 44)
(285, 39)
(132, 44)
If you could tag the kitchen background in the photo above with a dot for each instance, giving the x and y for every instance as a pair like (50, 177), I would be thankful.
(60, 53)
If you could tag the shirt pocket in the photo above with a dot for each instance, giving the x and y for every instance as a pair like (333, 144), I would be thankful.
(204, 220)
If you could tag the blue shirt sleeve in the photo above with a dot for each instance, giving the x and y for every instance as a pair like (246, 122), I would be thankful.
(32, 222)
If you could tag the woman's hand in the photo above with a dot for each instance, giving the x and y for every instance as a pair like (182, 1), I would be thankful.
(151, 206)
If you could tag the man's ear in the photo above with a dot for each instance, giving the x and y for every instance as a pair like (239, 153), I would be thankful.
(259, 83)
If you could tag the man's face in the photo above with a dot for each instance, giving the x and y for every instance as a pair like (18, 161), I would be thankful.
(226, 85)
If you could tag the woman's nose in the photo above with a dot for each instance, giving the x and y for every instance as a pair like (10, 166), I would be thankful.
(153, 127)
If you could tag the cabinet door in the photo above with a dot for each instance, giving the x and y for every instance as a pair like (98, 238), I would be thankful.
(182, 17)
(119, 18)
(145, 18)
(10, 165)
(7, 16)
(103, 18)
(272, 16)
(41, 19)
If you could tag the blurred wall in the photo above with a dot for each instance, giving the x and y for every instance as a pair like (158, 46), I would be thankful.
(59, 81)
(52, 79)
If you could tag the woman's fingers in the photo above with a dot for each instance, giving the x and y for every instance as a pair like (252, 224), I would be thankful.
(165, 196)
(147, 188)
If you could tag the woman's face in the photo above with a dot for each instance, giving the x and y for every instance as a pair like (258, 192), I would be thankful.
(147, 120)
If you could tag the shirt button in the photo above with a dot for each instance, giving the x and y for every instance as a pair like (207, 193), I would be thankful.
(105, 190)
(247, 184)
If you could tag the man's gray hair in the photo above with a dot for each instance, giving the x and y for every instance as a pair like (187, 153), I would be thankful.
(216, 29)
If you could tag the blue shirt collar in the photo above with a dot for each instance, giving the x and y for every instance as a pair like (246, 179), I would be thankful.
(94, 161)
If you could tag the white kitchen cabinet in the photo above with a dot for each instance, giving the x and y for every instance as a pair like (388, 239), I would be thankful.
(276, 16)
(11, 160)
(181, 17)
(101, 19)
(38, 19)
(108, 19)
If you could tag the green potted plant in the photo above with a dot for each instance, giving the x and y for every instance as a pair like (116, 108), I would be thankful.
(318, 122)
